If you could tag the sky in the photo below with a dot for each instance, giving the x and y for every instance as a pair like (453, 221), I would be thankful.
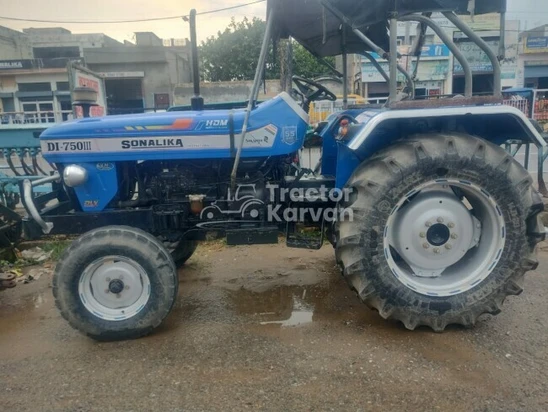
(531, 13)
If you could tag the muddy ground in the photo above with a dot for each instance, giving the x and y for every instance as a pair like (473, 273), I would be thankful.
(271, 328)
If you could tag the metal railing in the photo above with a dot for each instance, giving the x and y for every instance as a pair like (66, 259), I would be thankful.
(319, 111)
(520, 104)
(38, 117)
(539, 110)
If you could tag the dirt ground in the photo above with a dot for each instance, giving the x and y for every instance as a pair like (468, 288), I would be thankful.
(271, 328)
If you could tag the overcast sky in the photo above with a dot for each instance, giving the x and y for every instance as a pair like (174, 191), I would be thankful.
(530, 12)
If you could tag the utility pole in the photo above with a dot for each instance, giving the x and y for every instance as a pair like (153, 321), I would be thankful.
(286, 65)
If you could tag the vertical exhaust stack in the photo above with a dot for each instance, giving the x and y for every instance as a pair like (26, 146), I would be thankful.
(197, 101)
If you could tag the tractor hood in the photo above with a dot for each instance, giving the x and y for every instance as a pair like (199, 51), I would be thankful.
(276, 127)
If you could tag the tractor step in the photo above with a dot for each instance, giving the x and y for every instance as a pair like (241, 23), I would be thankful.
(252, 236)
(304, 237)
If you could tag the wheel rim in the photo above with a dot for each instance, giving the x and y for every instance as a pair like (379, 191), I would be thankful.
(444, 238)
(114, 288)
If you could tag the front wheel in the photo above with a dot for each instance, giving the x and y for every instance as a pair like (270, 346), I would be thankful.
(439, 229)
(115, 283)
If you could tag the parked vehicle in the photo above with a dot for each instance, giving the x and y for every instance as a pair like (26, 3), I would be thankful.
(435, 224)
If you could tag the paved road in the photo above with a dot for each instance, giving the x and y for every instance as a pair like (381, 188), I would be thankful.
(270, 328)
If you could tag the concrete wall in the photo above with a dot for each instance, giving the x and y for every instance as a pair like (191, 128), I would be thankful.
(14, 45)
(124, 54)
(59, 37)
(162, 67)
(157, 77)
(147, 39)
(220, 92)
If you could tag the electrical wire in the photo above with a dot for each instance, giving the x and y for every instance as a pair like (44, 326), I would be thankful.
(130, 21)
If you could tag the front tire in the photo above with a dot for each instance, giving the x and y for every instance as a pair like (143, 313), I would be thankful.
(398, 264)
(115, 283)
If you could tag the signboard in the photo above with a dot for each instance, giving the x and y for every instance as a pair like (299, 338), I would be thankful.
(15, 64)
(82, 77)
(435, 50)
(536, 44)
(479, 62)
(434, 67)
(371, 75)
(431, 70)
(122, 75)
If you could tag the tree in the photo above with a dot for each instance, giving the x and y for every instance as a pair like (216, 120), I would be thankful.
(233, 53)
(308, 66)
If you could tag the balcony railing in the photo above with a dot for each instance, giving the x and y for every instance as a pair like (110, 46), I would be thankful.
(28, 119)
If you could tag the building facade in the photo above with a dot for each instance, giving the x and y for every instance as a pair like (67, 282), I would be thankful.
(438, 71)
(533, 58)
(34, 81)
(140, 76)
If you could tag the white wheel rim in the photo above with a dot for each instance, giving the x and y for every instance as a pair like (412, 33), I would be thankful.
(114, 288)
(439, 245)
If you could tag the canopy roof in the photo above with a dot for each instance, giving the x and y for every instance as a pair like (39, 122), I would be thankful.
(305, 20)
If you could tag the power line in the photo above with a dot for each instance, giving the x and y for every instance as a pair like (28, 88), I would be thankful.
(129, 21)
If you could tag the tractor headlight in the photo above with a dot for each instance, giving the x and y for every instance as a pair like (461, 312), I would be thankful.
(75, 175)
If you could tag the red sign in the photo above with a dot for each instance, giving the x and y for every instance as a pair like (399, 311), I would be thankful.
(92, 84)
(94, 111)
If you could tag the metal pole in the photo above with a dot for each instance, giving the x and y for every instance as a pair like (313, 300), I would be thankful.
(534, 105)
(452, 46)
(254, 92)
(196, 102)
(410, 81)
(367, 41)
(502, 41)
(453, 18)
(393, 61)
(345, 68)
(377, 66)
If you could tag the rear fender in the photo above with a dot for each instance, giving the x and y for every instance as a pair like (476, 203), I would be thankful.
(382, 128)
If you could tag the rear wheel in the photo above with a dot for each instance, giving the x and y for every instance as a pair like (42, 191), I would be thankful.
(440, 229)
(115, 283)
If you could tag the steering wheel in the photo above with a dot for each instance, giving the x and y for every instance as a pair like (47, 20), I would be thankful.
(312, 90)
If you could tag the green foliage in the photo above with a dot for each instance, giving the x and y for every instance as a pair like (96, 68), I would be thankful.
(57, 247)
(233, 54)
(308, 66)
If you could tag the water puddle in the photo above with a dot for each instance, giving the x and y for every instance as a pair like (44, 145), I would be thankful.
(300, 315)
(286, 306)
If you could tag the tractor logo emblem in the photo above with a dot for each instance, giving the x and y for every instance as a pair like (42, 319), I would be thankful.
(245, 204)
(105, 166)
(289, 135)
(91, 203)
(216, 123)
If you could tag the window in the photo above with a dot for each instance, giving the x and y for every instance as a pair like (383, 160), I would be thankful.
(38, 112)
(55, 52)
(34, 87)
(62, 86)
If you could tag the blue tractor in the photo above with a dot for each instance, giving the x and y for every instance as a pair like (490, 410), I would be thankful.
(432, 222)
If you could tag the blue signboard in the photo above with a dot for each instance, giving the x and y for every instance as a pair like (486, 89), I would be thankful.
(537, 42)
(435, 50)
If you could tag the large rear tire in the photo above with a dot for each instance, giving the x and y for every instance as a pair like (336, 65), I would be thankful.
(115, 283)
(440, 229)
